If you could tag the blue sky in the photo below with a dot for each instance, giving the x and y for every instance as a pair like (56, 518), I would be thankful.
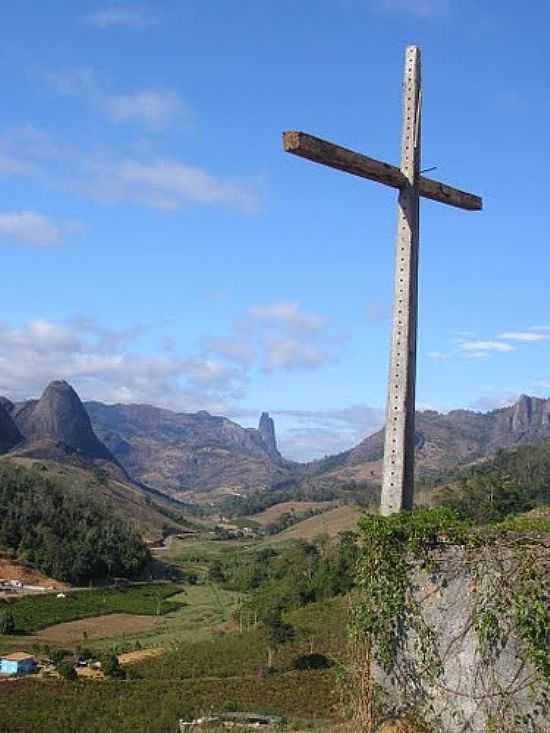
(158, 246)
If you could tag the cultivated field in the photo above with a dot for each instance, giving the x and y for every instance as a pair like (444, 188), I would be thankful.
(332, 522)
(196, 612)
(274, 512)
(189, 680)
(32, 613)
(93, 629)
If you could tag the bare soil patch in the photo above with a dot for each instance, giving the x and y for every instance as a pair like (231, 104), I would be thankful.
(139, 655)
(11, 570)
(96, 627)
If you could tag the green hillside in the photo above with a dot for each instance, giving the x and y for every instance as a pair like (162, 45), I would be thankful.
(67, 533)
(513, 482)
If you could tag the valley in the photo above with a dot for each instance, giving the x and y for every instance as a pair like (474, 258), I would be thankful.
(213, 570)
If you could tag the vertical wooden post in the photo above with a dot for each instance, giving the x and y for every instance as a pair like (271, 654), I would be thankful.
(398, 482)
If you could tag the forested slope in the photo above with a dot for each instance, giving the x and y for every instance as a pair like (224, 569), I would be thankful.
(66, 534)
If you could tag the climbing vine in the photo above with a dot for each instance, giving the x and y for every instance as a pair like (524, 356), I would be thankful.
(510, 587)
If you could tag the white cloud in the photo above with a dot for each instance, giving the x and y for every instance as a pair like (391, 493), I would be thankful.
(316, 433)
(277, 336)
(100, 364)
(473, 348)
(487, 403)
(112, 17)
(481, 346)
(236, 349)
(289, 313)
(476, 355)
(168, 184)
(155, 109)
(33, 228)
(438, 355)
(524, 336)
(13, 167)
(104, 176)
(79, 80)
(107, 364)
(310, 444)
(292, 354)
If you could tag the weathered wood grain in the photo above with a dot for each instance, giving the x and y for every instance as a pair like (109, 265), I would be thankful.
(335, 156)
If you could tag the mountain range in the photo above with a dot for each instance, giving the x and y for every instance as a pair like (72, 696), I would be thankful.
(445, 441)
(199, 456)
(182, 453)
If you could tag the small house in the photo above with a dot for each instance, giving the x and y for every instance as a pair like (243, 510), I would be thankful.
(17, 663)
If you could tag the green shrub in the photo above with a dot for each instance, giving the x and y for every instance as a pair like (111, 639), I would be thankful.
(312, 661)
(110, 666)
(67, 671)
(7, 622)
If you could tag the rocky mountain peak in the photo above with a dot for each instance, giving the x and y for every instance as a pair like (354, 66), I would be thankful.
(266, 429)
(530, 413)
(9, 433)
(59, 417)
(6, 404)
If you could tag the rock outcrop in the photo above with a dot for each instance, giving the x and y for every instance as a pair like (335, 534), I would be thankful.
(7, 404)
(178, 453)
(266, 428)
(9, 433)
(476, 685)
(58, 421)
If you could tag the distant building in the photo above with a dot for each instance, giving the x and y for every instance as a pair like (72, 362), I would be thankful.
(17, 663)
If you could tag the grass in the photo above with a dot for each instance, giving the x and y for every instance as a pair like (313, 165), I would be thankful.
(535, 521)
(198, 553)
(200, 612)
(32, 613)
(332, 522)
(204, 613)
(319, 626)
(272, 513)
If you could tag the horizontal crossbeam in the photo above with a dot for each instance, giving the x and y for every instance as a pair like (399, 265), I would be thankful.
(321, 151)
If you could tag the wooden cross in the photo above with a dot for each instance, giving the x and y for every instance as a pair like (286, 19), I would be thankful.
(398, 481)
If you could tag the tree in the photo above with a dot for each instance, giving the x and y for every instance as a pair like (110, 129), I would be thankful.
(37, 523)
(7, 623)
(276, 631)
(110, 666)
(58, 655)
(215, 573)
(67, 671)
